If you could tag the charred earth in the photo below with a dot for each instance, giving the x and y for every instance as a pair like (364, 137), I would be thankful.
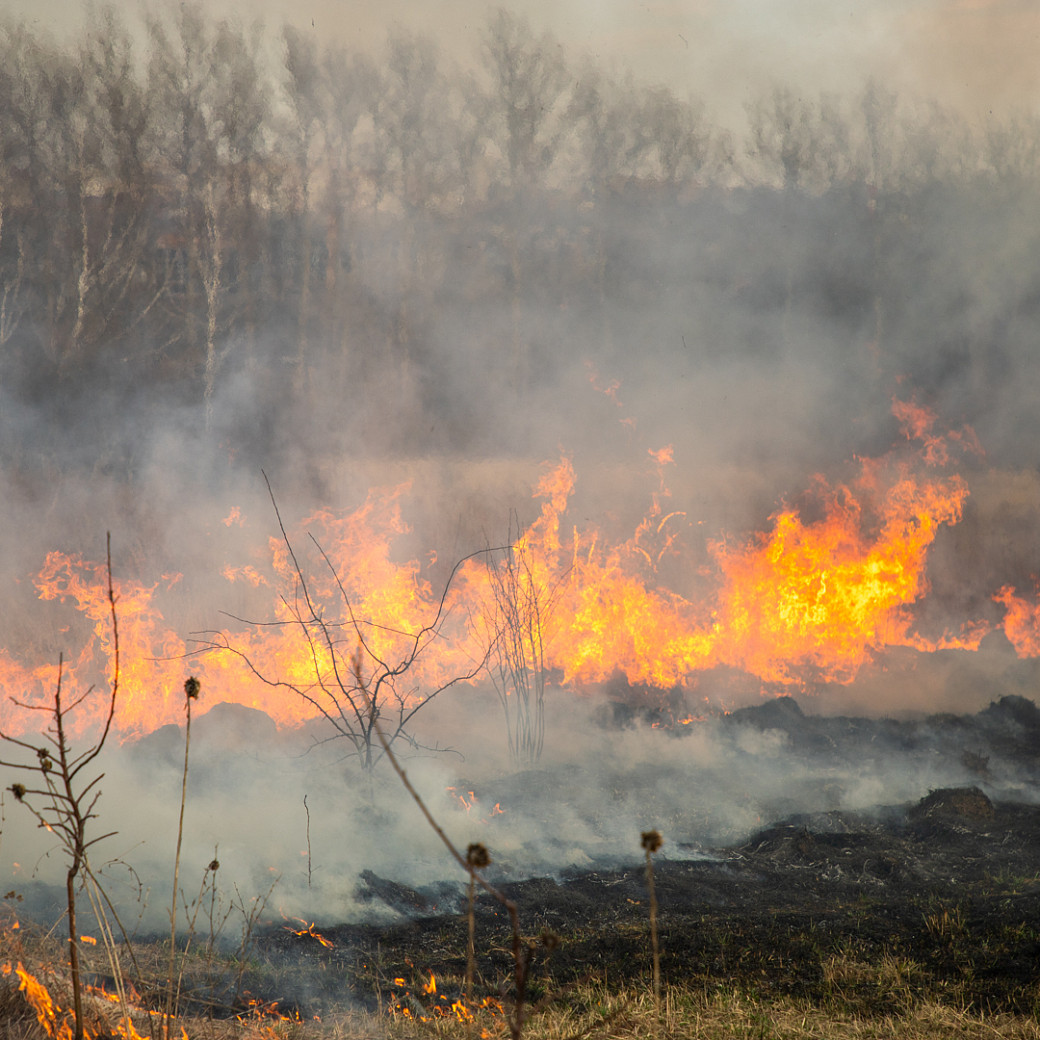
(937, 898)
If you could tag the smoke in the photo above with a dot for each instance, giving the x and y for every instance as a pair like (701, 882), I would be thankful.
(755, 314)
(290, 822)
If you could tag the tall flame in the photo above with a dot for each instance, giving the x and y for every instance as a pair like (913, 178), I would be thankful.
(818, 598)
(58, 1024)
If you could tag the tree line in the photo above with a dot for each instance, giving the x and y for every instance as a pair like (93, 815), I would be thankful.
(170, 199)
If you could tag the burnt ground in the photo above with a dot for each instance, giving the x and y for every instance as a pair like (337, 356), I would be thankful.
(866, 908)
(938, 898)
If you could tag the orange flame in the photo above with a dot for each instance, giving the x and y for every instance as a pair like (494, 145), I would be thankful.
(56, 1022)
(817, 598)
(1021, 622)
(309, 930)
(440, 1006)
(812, 599)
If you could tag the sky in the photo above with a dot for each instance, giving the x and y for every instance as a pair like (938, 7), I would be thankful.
(976, 55)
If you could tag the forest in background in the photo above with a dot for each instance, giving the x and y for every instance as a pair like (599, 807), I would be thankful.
(180, 211)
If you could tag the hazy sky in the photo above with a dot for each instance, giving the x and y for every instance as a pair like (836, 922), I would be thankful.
(980, 54)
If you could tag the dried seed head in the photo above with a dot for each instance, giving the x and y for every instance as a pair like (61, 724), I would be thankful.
(214, 865)
(549, 939)
(477, 856)
(652, 840)
(18, 790)
(191, 688)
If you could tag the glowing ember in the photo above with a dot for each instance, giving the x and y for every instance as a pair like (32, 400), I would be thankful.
(433, 1004)
(309, 930)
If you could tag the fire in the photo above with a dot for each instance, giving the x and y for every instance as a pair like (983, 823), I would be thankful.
(270, 1009)
(437, 1004)
(143, 638)
(817, 598)
(56, 1022)
(812, 599)
(1021, 622)
(309, 930)
(809, 600)
(467, 800)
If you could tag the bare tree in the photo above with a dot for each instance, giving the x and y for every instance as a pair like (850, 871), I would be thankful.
(13, 304)
(800, 144)
(182, 136)
(1011, 150)
(528, 81)
(360, 682)
(303, 89)
(242, 110)
(42, 132)
(878, 110)
(611, 143)
(410, 157)
(209, 103)
(112, 202)
(674, 140)
(346, 78)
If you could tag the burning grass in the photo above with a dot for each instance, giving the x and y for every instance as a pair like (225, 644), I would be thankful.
(594, 1010)
(919, 921)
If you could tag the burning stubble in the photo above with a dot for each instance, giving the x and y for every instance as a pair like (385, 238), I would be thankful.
(671, 355)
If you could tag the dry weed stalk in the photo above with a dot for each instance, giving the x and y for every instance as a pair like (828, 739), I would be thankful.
(522, 950)
(173, 977)
(477, 858)
(63, 803)
(652, 841)
(516, 623)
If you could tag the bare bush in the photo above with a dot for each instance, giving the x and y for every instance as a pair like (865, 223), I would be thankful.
(516, 619)
(356, 677)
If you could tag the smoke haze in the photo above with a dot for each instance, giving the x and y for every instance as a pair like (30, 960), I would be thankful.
(379, 275)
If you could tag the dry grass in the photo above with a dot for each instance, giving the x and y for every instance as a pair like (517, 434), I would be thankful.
(594, 1013)
(591, 1011)
(622, 1015)
(860, 997)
